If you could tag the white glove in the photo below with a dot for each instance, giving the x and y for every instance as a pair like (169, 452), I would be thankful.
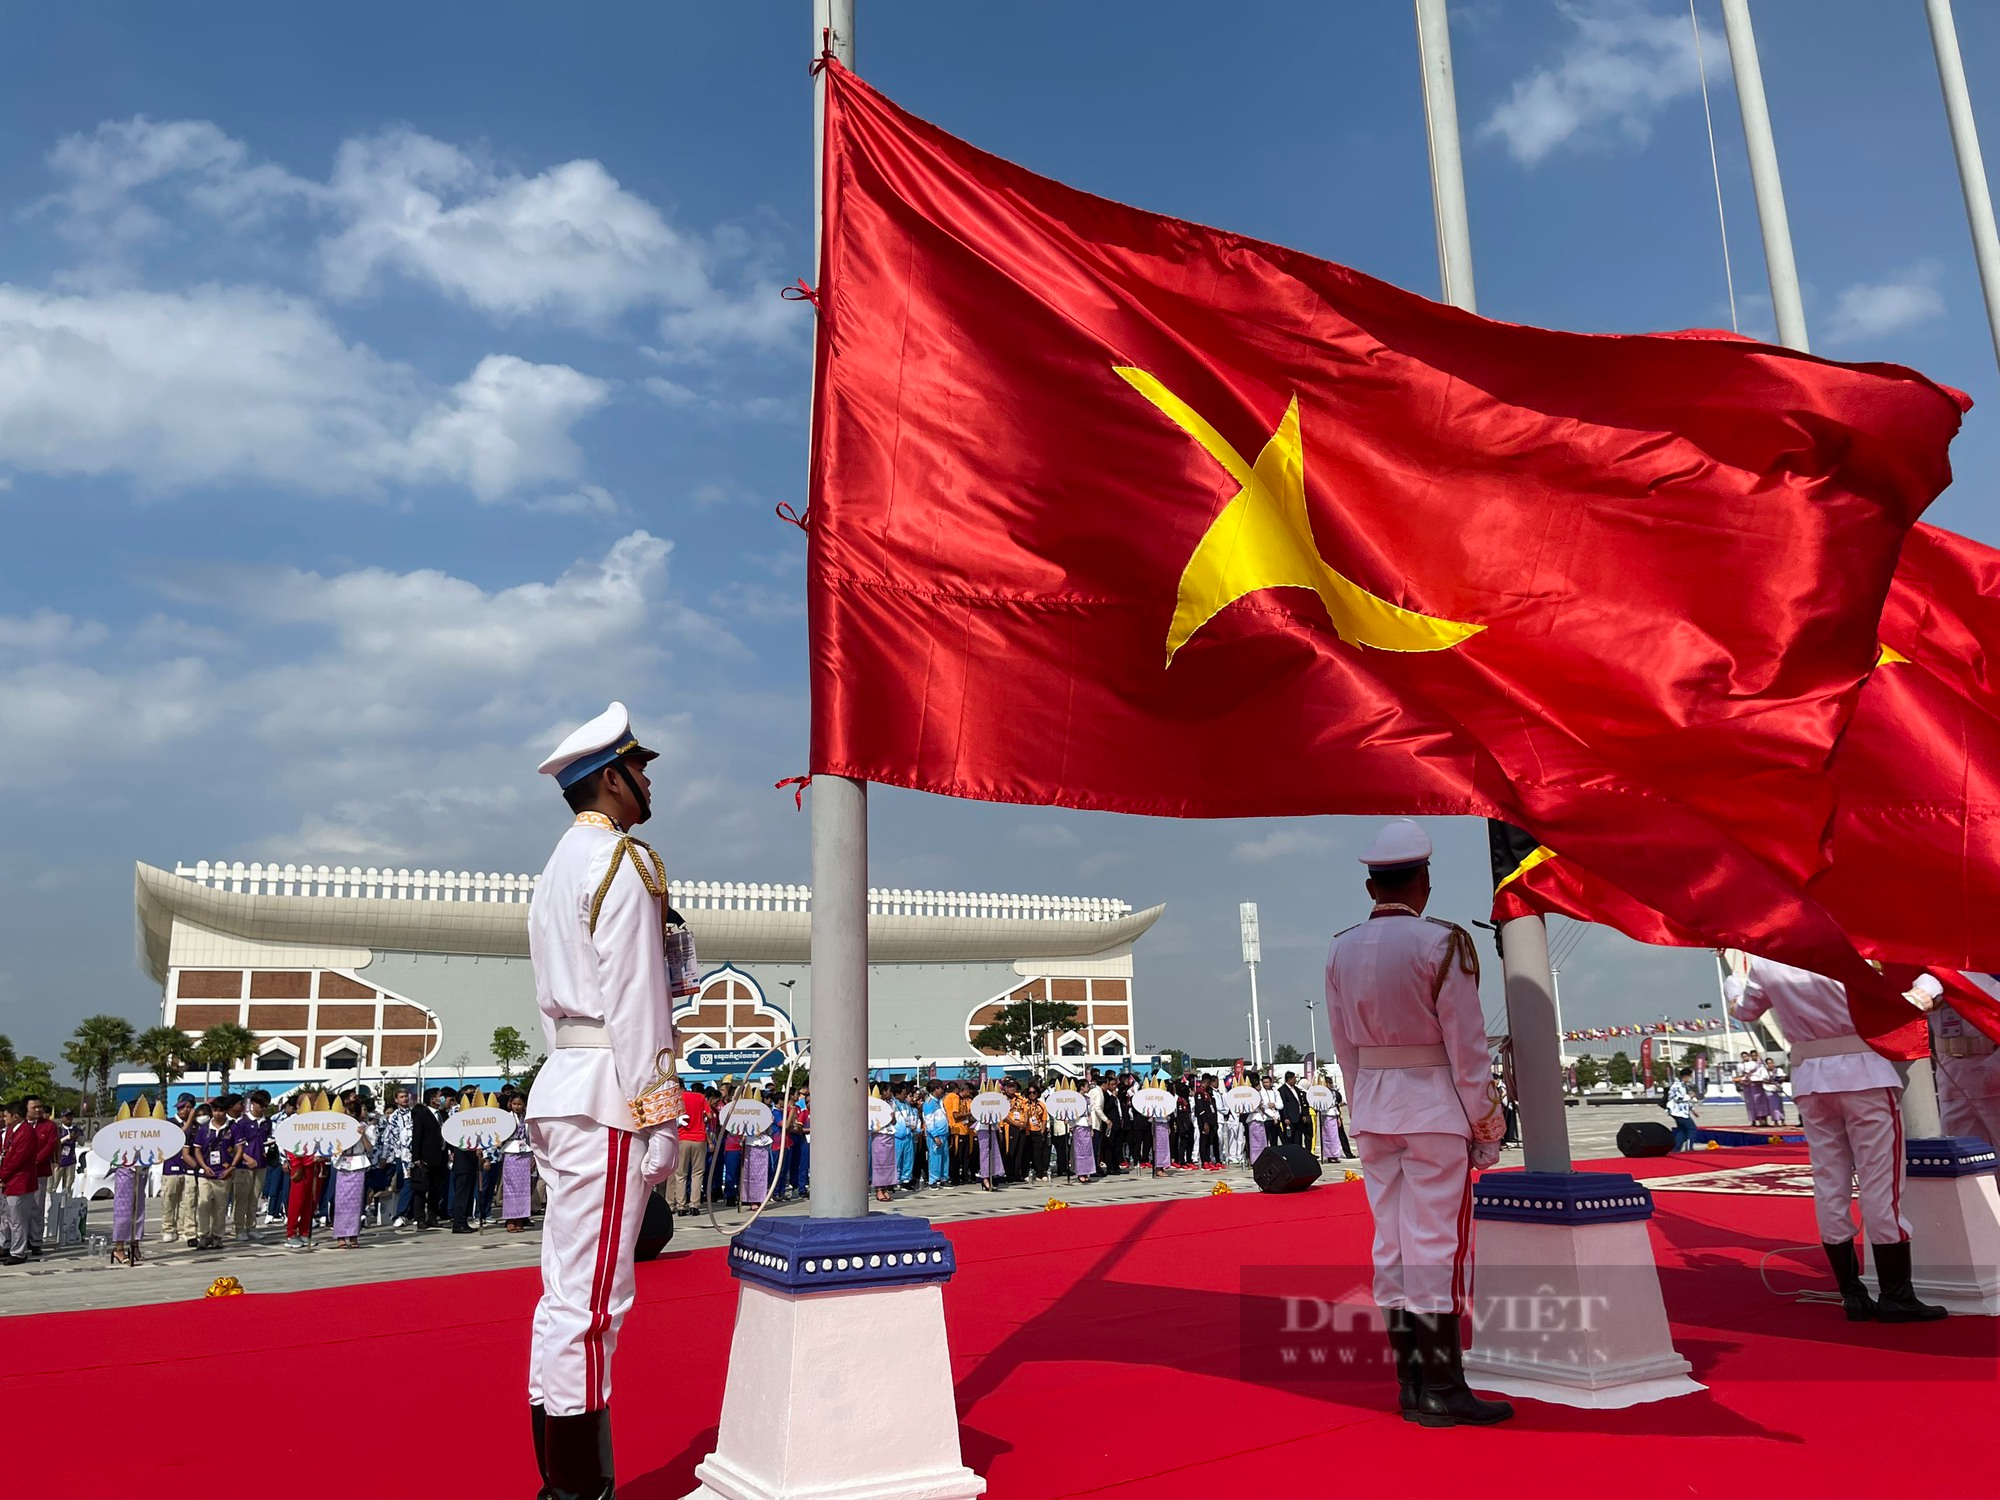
(1485, 1154)
(1925, 993)
(663, 1154)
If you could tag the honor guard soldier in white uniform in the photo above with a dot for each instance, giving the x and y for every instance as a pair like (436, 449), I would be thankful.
(602, 1114)
(1966, 1059)
(1850, 1101)
(1402, 998)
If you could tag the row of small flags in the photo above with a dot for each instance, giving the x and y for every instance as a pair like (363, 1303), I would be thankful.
(1650, 1028)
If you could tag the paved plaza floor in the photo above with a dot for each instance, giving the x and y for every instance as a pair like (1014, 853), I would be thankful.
(77, 1278)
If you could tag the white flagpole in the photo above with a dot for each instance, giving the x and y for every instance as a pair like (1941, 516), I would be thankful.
(839, 858)
(1786, 303)
(1524, 942)
(1971, 165)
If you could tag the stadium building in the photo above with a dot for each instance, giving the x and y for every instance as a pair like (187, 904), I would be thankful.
(349, 974)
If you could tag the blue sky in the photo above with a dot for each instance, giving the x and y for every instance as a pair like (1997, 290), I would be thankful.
(384, 389)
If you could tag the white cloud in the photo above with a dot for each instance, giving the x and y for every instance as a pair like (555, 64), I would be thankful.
(569, 243)
(1874, 310)
(232, 384)
(385, 699)
(46, 633)
(1045, 836)
(1284, 843)
(1625, 64)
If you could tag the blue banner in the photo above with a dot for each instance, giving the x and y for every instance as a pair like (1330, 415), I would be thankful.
(732, 1059)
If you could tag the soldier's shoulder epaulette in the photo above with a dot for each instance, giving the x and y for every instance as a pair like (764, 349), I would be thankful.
(1345, 930)
(1442, 922)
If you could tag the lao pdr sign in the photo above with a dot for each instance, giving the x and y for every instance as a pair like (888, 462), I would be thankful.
(731, 1059)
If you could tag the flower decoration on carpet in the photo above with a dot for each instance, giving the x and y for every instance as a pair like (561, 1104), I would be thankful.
(224, 1286)
(1219, 1189)
(1052, 1205)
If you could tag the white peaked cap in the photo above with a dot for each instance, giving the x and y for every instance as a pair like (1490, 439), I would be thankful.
(1401, 842)
(606, 738)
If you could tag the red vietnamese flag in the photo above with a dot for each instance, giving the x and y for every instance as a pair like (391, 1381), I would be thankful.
(1915, 872)
(1111, 510)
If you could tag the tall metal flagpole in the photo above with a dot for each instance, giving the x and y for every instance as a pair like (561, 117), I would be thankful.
(839, 856)
(1971, 165)
(1524, 941)
(1786, 302)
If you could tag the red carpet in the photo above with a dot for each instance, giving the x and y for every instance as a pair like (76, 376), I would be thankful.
(1097, 1351)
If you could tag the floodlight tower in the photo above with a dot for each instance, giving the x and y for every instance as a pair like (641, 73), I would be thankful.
(1253, 950)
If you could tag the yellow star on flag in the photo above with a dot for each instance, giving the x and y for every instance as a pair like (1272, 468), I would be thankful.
(1263, 539)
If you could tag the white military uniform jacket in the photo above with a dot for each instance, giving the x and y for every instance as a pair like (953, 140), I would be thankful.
(1962, 1052)
(1380, 979)
(616, 974)
(1811, 1008)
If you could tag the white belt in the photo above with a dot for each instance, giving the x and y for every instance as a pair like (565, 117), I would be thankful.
(1827, 1046)
(579, 1031)
(1424, 1055)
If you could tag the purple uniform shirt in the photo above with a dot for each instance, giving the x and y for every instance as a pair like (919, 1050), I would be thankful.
(253, 1136)
(176, 1165)
(214, 1146)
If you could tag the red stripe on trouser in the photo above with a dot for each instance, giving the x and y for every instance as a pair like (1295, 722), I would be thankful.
(1896, 1166)
(601, 1274)
(1458, 1255)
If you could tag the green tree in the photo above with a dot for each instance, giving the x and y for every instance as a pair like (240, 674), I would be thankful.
(1023, 1028)
(1588, 1072)
(1620, 1070)
(790, 1075)
(100, 1042)
(164, 1049)
(222, 1047)
(509, 1047)
(1284, 1053)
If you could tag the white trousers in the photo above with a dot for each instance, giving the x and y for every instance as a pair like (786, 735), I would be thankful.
(1857, 1136)
(1420, 1192)
(1963, 1112)
(596, 1201)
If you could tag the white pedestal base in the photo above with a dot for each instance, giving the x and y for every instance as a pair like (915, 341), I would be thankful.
(838, 1396)
(1571, 1313)
(1954, 1242)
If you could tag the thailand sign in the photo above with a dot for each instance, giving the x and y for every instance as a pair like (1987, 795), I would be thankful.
(480, 1126)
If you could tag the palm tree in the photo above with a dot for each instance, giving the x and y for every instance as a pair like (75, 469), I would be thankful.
(221, 1046)
(100, 1042)
(164, 1049)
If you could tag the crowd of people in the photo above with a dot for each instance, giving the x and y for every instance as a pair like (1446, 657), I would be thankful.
(928, 1136)
(232, 1182)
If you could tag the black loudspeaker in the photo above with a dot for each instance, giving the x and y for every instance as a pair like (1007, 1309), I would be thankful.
(1644, 1138)
(655, 1229)
(1285, 1169)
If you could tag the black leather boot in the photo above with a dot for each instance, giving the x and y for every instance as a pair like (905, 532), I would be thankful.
(1402, 1345)
(538, 1422)
(1446, 1400)
(1854, 1296)
(1898, 1302)
(579, 1456)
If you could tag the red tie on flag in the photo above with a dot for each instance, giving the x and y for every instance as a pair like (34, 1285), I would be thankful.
(1915, 872)
(1115, 511)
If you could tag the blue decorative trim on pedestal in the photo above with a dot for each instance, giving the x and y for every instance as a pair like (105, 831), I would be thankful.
(1560, 1197)
(1948, 1156)
(798, 1256)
